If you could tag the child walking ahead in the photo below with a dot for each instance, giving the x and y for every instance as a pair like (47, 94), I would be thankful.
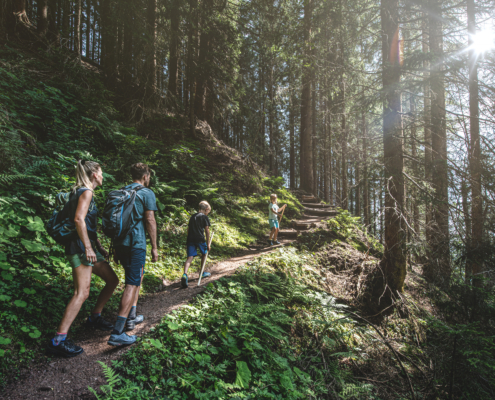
(199, 224)
(273, 213)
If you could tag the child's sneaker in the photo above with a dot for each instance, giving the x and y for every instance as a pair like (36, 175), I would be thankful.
(270, 242)
(205, 275)
(183, 281)
(276, 242)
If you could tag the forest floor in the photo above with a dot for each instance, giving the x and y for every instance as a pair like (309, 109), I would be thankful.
(60, 378)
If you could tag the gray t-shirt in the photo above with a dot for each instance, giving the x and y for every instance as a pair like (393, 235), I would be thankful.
(145, 201)
(271, 209)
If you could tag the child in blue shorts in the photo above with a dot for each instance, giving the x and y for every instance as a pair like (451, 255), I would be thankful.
(199, 224)
(273, 213)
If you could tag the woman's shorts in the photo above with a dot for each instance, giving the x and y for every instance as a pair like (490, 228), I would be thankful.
(76, 260)
(273, 223)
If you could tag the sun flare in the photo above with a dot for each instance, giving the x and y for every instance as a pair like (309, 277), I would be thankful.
(484, 41)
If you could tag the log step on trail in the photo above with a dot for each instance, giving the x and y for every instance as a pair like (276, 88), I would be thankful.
(320, 212)
(315, 205)
(309, 199)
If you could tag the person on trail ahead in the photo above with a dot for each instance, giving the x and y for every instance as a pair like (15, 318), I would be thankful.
(131, 252)
(86, 256)
(273, 213)
(199, 224)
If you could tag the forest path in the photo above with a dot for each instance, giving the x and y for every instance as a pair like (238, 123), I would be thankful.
(63, 378)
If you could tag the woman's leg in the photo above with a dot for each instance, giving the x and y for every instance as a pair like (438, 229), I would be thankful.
(82, 280)
(105, 272)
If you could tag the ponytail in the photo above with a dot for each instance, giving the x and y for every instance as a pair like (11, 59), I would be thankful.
(84, 170)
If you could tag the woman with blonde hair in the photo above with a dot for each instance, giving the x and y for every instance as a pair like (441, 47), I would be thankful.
(86, 256)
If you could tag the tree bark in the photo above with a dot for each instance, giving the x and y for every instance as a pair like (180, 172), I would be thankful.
(394, 260)
(314, 139)
(438, 270)
(271, 127)
(174, 48)
(345, 194)
(292, 161)
(306, 152)
(42, 27)
(427, 124)
(150, 63)
(366, 201)
(77, 29)
(475, 265)
(414, 155)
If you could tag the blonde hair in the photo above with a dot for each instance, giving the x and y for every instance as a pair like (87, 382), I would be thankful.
(84, 170)
(272, 197)
(204, 206)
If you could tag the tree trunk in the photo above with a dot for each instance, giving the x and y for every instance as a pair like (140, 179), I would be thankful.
(191, 58)
(77, 29)
(127, 50)
(150, 63)
(427, 125)
(174, 48)
(271, 127)
(42, 27)
(202, 72)
(314, 133)
(88, 28)
(394, 260)
(475, 265)
(414, 155)
(345, 194)
(66, 19)
(438, 269)
(306, 152)
(292, 161)
(366, 201)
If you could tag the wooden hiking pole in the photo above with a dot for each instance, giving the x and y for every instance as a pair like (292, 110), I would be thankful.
(204, 262)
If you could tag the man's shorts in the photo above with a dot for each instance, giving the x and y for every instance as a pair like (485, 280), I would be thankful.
(75, 260)
(273, 223)
(192, 249)
(133, 261)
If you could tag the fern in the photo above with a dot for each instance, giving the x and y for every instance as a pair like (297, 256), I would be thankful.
(111, 390)
(9, 179)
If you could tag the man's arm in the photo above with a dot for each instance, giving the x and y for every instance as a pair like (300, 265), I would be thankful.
(207, 231)
(150, 221)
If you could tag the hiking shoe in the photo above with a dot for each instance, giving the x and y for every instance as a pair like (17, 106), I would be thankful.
(205, 275)
(130, 324)
(66, 348)
(121, 340)
(183, 281)
(270, 242)
(276, 242)
(99, 323)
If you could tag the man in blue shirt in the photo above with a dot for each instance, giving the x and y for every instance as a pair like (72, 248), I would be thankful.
(131, 252)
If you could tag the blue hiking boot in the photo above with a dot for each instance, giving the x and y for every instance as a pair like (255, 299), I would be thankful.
(121, 340)
(183, 282)
(99, 323)
(130, 324)
(205, 275)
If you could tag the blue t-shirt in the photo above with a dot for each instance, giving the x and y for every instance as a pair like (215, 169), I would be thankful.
(145, 201)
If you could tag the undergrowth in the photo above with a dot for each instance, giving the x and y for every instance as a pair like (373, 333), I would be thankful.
(260, 334)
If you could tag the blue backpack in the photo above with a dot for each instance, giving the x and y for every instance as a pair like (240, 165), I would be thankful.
(61, 226)
(117, 215)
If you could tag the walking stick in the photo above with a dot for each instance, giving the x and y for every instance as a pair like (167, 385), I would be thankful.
(281, 217)
(204, 262)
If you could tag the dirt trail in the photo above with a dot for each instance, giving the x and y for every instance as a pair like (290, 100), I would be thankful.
(69, 378)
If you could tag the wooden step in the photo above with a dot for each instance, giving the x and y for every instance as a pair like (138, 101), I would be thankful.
(309, 199)
(288, 234)
(303, 226)
(320, 212)
(315, 205)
